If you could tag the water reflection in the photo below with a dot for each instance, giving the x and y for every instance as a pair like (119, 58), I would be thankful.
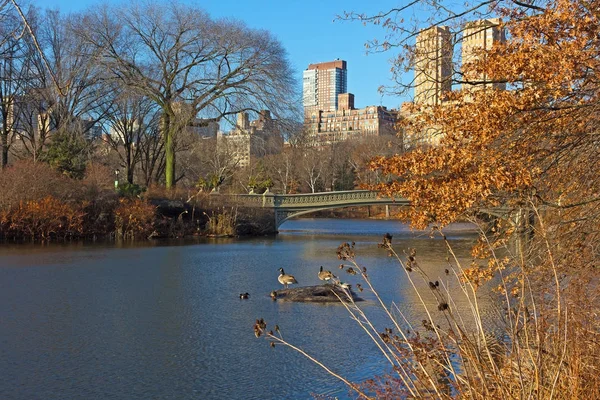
(165, 321)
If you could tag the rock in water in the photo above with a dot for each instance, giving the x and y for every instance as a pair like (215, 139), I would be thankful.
(315, 294)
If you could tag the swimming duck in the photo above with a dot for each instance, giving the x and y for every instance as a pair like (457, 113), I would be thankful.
(244, 295)
(325, 275)
(285, 279)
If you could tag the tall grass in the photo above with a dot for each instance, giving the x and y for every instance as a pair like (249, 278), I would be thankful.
(222, 222)
(548, 347)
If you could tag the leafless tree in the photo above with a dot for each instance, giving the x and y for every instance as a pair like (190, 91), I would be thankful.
(283, 170)
(82, 100)
(129, 124)
(65, 88)
(12, 56)
(152, 157)
(177, 54)
(313, 165)
(365, 150)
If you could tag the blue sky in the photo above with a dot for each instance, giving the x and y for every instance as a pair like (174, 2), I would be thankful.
(307, 30)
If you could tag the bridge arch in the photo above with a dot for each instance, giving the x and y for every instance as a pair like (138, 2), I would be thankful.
(282, 216)
(288, 206)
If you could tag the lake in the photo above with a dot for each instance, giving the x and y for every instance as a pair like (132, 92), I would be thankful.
(165, 321)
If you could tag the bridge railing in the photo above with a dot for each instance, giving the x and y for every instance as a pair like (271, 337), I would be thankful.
(310, 199)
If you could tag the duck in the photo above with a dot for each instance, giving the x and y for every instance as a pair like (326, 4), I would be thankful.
(273, 295)
(325, 275)
(285, 279)
(244, 295)
(344, 285)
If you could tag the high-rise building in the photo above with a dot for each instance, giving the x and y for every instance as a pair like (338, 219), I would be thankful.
(480, 36)
(433, 65)
(329, 112)
(321, 85)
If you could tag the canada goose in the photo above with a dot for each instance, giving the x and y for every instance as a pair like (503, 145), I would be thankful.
(387, 239)
(244, 295)
(325, 275)
(285, 279)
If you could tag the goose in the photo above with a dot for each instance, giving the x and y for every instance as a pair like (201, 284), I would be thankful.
(325, 275)
(285, 279)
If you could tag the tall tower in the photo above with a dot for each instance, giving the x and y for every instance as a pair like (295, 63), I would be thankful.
(433, 65)
(480, 36)
(321, 85)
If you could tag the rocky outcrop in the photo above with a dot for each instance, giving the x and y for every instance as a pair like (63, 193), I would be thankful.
(314, 294)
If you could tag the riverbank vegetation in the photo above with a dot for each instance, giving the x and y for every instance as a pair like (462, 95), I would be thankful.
(530, 150)
(77, 100)
(39, 203)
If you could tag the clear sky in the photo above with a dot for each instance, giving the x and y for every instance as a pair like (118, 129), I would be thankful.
(307, 30)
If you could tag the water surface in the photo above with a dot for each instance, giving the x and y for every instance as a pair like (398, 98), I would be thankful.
(164, 321)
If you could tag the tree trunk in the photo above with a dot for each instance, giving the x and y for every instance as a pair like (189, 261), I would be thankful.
(169, 152)
(128, 163)
(130, 174)
(4, 149)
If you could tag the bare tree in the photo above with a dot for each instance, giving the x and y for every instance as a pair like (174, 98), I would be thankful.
(65, 90)
(11, 78)
(130, 119)
(365, 150)
(312, 168)
(283, 170)
(82, 100)
(152, 157)
(176, 54)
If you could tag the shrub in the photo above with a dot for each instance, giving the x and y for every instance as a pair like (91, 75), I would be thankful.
(221, 223)
(26, 180)
(43, 219)
(134, 218)
(127, 189)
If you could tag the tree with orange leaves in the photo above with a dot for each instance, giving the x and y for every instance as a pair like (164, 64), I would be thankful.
(535, 144)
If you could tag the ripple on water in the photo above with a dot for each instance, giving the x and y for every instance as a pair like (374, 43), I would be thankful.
(97, 321)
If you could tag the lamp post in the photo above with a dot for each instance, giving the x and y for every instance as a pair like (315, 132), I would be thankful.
(116, 179)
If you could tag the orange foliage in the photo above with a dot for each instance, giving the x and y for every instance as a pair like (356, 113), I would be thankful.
(134, 218)
(43, 219)
(535, 145)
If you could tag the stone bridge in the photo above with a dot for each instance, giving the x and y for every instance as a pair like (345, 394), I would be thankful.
(287, 206)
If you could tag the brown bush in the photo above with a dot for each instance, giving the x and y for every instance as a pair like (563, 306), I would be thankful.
(43, 219)
(134, 218)
(26, 180)
(98, 178)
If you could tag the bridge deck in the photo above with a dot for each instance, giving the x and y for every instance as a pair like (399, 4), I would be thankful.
(288, 206)
(318, 200)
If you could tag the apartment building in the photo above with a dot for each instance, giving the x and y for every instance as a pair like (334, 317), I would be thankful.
(321, 85)
(433, 65)
(251, 139)
(480, 36)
